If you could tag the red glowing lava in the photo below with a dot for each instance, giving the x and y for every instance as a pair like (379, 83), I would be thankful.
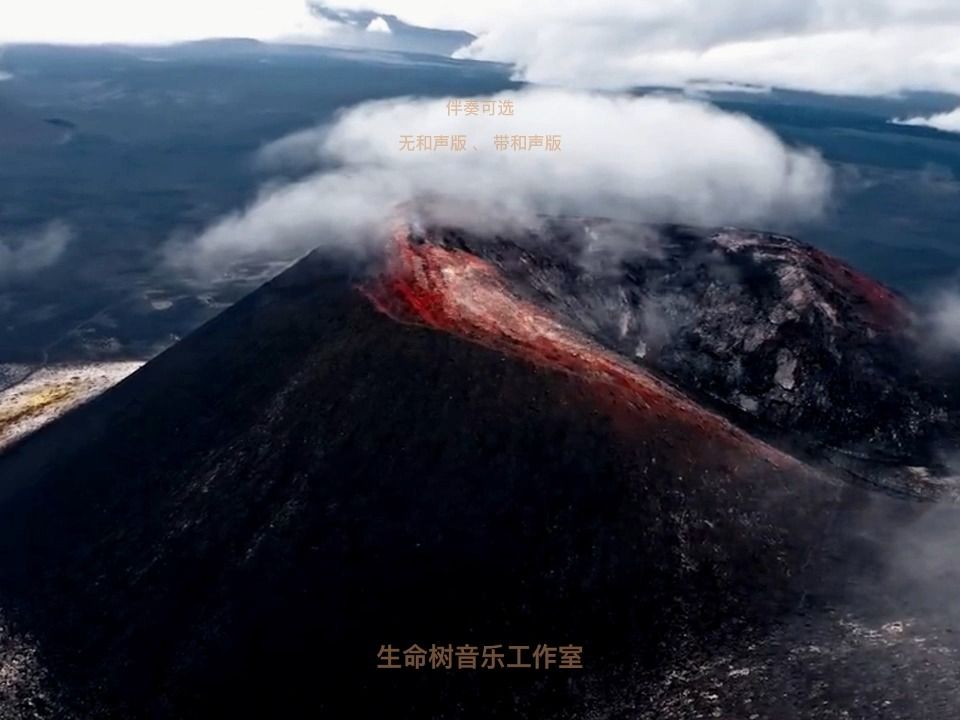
(461, 294)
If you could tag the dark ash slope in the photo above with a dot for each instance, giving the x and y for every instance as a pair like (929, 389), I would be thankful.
(234, 530)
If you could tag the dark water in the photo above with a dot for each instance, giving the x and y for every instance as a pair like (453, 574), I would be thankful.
(160, 140)
(896, 207)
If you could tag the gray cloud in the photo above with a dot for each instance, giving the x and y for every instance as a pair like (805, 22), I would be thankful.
(25, 253)
(646, 159)
(295, 152)
(943, 318)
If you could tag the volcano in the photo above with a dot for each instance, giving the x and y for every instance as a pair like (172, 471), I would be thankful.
(708, 460)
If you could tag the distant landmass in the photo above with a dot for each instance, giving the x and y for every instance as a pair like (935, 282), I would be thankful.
(363, 28)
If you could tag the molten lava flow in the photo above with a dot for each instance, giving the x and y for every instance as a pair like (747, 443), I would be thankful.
(457, 292)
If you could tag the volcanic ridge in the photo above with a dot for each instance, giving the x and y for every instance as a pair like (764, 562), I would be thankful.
(696, 453)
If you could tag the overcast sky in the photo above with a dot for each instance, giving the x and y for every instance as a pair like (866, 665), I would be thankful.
(855, 46)
(152, 21)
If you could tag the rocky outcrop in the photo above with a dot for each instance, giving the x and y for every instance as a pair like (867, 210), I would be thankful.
(787, 341)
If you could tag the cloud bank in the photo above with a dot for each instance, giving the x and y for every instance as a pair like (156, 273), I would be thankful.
(843, 46)
(646, 159)
(947, 122)
(23, 254)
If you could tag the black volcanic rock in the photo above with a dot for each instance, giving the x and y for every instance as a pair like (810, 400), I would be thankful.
(790, 342)
(235, 529)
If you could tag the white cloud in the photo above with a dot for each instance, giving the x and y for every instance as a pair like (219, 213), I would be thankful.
(25, 253)
(948, 122)
(648, 159)
(5, 76)
(379, 25)
(850, 46)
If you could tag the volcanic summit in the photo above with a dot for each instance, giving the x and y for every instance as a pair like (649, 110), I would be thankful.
(693, 453)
